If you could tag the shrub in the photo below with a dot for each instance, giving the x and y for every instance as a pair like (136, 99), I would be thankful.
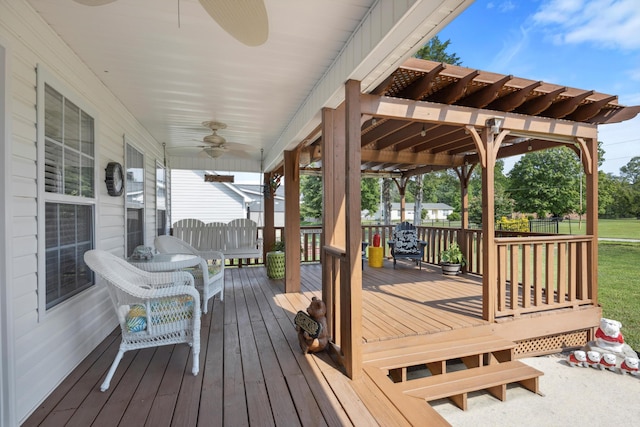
(515, 224)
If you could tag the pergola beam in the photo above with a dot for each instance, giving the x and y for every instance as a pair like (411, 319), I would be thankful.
(453, 115)
(411, 158)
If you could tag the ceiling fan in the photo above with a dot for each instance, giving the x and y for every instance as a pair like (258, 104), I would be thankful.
(216, 145)
(244, 20)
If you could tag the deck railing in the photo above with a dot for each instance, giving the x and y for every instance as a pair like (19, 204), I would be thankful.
(541, 273)
(535, 272)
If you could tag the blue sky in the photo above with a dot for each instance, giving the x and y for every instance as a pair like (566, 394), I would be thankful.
(586, 44)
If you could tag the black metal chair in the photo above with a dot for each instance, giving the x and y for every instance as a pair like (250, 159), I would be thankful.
(364, 252)
(405, 244)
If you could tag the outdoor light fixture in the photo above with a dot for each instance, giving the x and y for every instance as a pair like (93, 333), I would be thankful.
(495, 124)
(529, 148)
(374, 121)
(423, 132)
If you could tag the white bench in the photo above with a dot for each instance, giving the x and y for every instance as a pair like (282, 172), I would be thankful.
(237, 239)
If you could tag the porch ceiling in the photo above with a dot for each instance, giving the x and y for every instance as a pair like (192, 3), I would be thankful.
(402, 146)
(173, 67)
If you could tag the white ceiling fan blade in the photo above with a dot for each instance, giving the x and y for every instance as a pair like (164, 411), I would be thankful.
(245, 20)
(239, 146)
(94, 2)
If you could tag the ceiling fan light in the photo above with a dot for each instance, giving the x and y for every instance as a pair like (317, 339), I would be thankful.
(215, 152)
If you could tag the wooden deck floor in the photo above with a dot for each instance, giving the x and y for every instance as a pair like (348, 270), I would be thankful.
(252, 371)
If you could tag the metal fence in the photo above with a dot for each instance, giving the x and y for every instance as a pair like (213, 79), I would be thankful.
(545, 225)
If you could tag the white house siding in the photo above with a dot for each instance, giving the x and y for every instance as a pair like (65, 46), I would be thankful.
(207, 201)
(45, 347)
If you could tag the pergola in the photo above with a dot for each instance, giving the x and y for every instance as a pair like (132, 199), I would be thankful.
(429, 116)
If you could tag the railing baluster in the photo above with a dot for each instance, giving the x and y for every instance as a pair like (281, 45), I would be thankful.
(561, 266)
(538, 278)
(526, 276)
(573, 271)
(514, 276)
(549, 280)
(502, 277)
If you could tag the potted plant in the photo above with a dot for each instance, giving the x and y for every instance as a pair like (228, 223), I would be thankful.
(452, 260)
(275, 261)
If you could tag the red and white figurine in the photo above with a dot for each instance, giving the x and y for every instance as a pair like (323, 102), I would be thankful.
(577, 358)
(629, 366)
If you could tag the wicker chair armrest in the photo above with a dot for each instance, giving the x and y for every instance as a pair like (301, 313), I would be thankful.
(174, 291)
(169, 279)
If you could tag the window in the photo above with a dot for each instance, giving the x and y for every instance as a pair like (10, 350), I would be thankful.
(161, 200)
(134, 198)
(69, 196)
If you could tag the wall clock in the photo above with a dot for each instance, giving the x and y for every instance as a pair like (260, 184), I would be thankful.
(114, 179)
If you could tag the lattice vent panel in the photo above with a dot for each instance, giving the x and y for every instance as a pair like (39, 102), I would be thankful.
(552, 343)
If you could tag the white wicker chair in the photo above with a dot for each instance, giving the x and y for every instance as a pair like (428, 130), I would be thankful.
(209, 277)
(153, 309)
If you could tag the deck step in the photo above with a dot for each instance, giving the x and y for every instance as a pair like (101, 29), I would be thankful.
(470, 349)
(455, 385)
(391, 407)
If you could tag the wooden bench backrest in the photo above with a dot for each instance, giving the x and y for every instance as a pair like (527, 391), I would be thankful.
(189, 230)
(214, 236)
(242, 233)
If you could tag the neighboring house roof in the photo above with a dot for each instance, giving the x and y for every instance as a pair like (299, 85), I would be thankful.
(256, 204)
(437, 206)
(432, 206)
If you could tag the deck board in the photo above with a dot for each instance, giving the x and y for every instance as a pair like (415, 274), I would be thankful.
(252, 371)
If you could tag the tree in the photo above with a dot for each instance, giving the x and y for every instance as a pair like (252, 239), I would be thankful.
(435, 50)
(631, 171)
(370, 195)
(503, 204)
(311, 192)
(546, 182)
(442, 187)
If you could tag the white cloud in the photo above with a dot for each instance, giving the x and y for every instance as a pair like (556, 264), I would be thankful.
(503, 6)
(512, 47)
(604, 23)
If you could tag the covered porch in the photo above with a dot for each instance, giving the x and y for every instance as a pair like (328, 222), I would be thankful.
(252, 370)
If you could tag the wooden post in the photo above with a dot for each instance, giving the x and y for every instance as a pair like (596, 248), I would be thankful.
(489, 258)
(401, 183)
(269, 231)
(351, 306)
(590, 157)
(464, 174)
(333, 160)
(292, 221)
(329, 218)
(488, 145)
(403, 202)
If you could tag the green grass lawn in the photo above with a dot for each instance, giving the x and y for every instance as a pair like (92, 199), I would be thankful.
(619, 286)
(615, 228)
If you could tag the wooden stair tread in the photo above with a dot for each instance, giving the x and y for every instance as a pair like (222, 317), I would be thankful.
(415, 412)
(468, 380)
(437, 351)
